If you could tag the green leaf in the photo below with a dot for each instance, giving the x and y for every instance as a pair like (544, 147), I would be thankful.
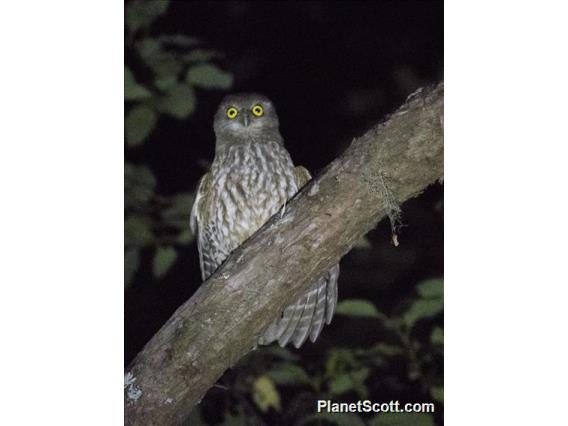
(180, 40)
(166, 83)
(437, 336)
(179, 102)
(340, 419)
(209, 76)
(344, 373)
(141, 13)
(133, 90)
(431, 288)
(265, 395)
(402, 419)
(164, 64)
(139, 185)
(180, 207)
(349, 381)
(357, 308)
(178, 213)
(340, 384)
(285, 374)
(437, 393)
(431, 302)
(164, 258)
(149, 49)
(139, 123)
(201, 55)
(131, 264)
(422, 308)
(185, 236)
(137, 232)
(386, 350)
(339, 361)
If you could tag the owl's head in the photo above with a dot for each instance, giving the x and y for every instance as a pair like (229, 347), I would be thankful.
(244, 116)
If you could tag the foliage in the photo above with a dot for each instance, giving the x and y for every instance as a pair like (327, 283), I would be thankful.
(405, 419)
(265, 395)
(165, 77)
(279, 386)
(166, 70)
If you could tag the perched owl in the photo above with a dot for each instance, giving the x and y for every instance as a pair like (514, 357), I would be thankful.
(251, 178)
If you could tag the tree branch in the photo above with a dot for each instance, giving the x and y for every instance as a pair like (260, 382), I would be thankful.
(222, 321)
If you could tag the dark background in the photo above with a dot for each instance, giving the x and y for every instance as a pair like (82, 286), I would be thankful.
(332, 69)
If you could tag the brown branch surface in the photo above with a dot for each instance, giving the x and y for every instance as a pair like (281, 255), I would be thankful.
(222, 321)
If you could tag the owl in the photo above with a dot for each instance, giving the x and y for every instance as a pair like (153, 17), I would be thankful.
(251, 178)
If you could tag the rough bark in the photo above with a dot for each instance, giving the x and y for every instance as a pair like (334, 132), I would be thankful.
(222, 321)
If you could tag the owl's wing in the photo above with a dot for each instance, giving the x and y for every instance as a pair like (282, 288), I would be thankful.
(197, 223)
(307, 315)
(302, 176)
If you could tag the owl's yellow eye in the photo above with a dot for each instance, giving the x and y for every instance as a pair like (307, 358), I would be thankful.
(258, 110)
(232, 112)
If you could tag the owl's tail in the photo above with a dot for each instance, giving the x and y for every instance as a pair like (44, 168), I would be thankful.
(306, 317)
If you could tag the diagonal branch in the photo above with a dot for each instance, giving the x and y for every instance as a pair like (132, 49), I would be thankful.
(224, 318)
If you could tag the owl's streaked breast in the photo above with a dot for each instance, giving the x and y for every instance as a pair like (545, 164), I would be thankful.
(251, 178)
(250, 183)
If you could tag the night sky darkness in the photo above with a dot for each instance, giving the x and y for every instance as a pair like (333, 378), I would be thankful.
(332, 69)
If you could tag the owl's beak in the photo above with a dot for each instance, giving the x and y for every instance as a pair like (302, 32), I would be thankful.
(246, 119)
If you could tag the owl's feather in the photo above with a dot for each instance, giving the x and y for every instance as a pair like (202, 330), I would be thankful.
(317, 304)
(206, 261)
(318, 318)
(200, 195)
(302, 176)
(251, 178)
